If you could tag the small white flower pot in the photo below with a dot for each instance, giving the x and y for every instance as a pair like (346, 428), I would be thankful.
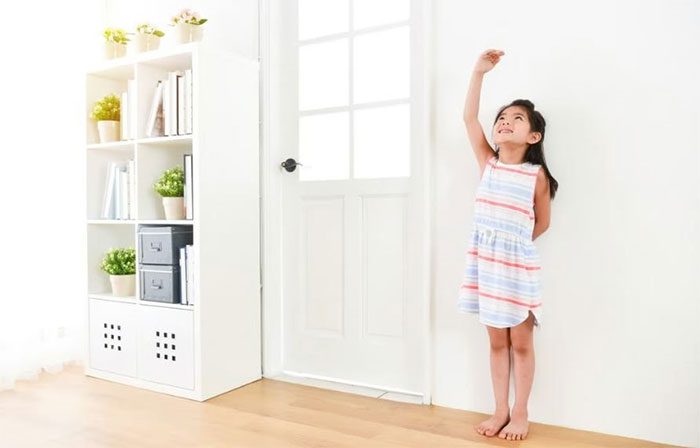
(146, 42)
(119, 50)
(108, 130)
(114, 50)
(174, 207)
(123, 285)
(186, 32)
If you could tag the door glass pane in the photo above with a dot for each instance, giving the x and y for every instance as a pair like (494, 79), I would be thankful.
(379, 12)
(381, 70)
(323, 75)
(382, 142)
(322, 17)
(324, 146)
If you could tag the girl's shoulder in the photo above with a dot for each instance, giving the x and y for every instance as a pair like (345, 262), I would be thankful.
(490, 163)
(533, 167)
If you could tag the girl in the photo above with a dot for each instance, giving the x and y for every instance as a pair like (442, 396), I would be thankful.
(501, 277)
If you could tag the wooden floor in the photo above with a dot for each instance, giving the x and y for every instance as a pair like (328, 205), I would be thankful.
(71, 410)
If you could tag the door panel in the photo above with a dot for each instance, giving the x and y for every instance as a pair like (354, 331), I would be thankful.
(352, 214)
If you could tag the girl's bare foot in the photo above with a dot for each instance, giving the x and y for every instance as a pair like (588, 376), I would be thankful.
(517, 428)
(490, 427)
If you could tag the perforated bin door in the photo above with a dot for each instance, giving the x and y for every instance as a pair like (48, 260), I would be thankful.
(113, 337)
(166, 349)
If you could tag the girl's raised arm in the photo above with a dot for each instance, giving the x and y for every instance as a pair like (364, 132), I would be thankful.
(482, 150)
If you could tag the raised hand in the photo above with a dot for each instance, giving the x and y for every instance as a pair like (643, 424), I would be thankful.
(488, 60)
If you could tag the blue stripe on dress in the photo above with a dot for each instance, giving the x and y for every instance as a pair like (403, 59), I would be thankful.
(471, 306)
(516, 286)
(532, 296)
(509, 183)
(527, 291)
(508, 191)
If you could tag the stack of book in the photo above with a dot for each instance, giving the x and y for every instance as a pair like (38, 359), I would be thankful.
(119, 199)
(171, 108)
(187, 296)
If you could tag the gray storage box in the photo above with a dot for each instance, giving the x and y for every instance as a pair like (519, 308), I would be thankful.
(160, 283)
(161, 244)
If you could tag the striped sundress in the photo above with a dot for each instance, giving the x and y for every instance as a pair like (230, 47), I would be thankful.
(501, 276)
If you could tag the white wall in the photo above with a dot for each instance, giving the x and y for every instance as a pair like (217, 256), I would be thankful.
(42, 185)
(617, 83)
(232, 25)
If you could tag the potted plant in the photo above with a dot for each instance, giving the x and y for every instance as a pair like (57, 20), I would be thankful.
(120, 264)
(147, 37)
(106, 112)
(171, 186)
(115, 42)
(188, 26)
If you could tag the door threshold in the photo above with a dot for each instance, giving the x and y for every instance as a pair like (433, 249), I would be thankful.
(348, 388)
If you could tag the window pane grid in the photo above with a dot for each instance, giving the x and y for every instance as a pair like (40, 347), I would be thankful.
(381, 153)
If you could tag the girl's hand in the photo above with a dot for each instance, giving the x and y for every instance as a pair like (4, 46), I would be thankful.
(488, 60)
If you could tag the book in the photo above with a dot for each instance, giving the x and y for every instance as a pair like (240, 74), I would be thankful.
(132, 189)
(160, 121)
(188, 101)
(166, 107)
(183, 276)
(156, 104)
(117, 197)
(124, 103)
(172, 103)
(189, 187)
(108, 197)
(189, 257)
(180, 105)
(124, 192)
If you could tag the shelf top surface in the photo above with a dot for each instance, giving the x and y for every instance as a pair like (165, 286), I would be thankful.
(170, 57)
(133, 300)
(172, 140)
(142, 221)
(124, 144)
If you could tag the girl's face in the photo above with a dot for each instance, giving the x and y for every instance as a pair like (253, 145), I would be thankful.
(513, 126)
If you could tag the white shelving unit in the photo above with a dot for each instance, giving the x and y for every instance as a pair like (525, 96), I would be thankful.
(213, 346)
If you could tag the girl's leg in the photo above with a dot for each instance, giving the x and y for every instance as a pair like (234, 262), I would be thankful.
(500, 376)
(524, 366)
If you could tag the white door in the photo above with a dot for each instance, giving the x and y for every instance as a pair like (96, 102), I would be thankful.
(353, 212)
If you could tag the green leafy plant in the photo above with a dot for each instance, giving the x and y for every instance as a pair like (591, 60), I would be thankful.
(119, 261)
(171, 183)
(108, 108)
(116, 35)
(187, 16)
(146, 28)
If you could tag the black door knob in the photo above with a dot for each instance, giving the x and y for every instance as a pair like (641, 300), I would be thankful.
(290, 165)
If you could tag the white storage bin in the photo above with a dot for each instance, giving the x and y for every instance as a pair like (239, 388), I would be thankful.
(113, 336)
(166, 348)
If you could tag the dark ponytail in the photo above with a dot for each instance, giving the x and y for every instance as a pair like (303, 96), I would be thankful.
(535, 152)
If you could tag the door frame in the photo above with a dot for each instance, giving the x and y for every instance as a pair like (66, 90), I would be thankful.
(272, 152)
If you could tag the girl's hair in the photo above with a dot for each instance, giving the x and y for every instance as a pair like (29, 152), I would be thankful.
(535, 152)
